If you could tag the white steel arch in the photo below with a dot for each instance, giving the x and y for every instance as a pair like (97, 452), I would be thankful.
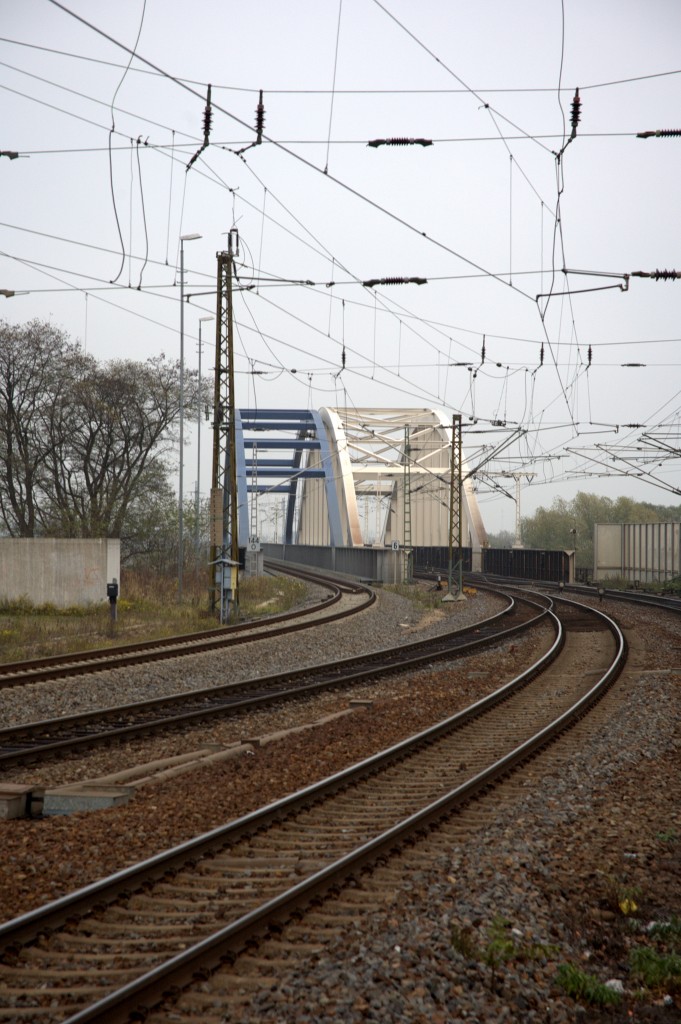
(378, 457)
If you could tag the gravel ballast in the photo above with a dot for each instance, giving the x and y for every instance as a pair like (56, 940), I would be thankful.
(542, 875)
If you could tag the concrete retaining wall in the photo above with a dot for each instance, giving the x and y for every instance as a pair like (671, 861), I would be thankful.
(59, 572)
(382, 564)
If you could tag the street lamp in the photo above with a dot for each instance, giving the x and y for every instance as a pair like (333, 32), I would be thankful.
(202, 320)
(180, 524)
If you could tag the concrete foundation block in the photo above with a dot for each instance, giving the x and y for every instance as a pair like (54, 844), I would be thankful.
(15, 800)
(70, 799)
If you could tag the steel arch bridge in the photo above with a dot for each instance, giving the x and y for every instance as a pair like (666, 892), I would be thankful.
(350, 477)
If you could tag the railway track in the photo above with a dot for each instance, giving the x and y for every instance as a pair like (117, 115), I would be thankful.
(29, 742)
(594, 591)
(69, 665)
(118, 947)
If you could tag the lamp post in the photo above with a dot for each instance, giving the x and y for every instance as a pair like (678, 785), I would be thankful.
(180, 524)
(202, 320)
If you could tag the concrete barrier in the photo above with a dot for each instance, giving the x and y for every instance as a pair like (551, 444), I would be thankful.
(49, 570)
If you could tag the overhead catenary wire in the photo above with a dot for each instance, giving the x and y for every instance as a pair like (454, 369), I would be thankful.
(296, 156)
(420, 321)
(333, 86)
(355, 91)
(111, 131)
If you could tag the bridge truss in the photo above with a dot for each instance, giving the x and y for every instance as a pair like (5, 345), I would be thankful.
(351, 477)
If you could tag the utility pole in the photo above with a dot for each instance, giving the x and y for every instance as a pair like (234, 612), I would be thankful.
(406, 540)
(197, 510)
(455, 518)
(518, 475)
(224, 517)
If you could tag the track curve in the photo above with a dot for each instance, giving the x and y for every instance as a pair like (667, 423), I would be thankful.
(380, 802)
(103, 659)
(22, 743)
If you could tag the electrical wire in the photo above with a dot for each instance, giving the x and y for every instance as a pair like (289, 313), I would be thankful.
(333, 86)
(453, 74)
(111, 131)
(144, 218)
(302, 160)
(349, 92)
(399, 322)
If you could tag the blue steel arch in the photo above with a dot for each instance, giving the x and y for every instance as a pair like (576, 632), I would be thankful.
(310, 434)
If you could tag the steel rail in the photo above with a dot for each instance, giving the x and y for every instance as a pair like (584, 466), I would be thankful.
(103, 659)
(108, 889)
(138, 996)
(32, 740)
(581, 589)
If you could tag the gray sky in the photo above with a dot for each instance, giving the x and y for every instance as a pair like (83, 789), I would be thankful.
(492, 85)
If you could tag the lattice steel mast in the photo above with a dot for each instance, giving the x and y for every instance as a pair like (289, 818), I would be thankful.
(455, 519)
(224, 519)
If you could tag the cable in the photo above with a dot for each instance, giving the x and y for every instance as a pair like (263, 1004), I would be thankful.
(144, 217)
(449, 71)
(342, 92)
(333, 86)
(300, 159)
(80, 95)
(302, 142)
(111, 131)
(170, 202)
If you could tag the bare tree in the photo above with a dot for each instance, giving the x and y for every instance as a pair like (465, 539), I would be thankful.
(114, 431)
(33, 365)
(80, 441)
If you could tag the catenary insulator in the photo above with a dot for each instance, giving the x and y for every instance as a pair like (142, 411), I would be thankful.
(394, 280)
(658, 275)
(661, 133)
(207, 118)
(259, 119)
(576, 109)
(399, 142)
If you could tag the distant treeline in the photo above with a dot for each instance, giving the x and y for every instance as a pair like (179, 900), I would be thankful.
(569, 525)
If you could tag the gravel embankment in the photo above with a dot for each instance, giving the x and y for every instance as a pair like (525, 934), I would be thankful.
(554, 865)
(392, 620)
(538, 888)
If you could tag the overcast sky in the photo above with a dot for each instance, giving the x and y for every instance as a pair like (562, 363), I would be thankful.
(490, 214)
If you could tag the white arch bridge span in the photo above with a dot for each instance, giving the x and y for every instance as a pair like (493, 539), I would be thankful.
(352, 478)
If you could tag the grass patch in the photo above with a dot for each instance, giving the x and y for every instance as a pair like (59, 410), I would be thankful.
(668, 932)
(420, 596)
(656, 970)
(504, 944)
(147, 610)
(585, 988)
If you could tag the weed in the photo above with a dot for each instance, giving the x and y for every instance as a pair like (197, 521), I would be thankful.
(504, 945)
(417, 595)
(620, 896)
(585, 987)
(669, 932)
(464, 943)
(501, 947)
(656, 970)
(148, 609)
(668, 836)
